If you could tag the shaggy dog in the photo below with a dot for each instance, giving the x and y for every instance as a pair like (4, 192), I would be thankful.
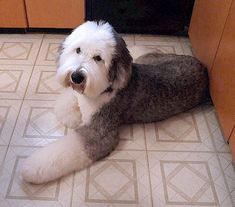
(105, 90)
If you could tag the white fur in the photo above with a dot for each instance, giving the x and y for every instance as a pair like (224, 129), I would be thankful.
(93, 40)
(88, 106)
(74, 110)
(55, 160)
(67, 109)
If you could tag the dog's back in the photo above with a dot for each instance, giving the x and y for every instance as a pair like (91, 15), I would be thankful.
(170, 84)
(155, 58)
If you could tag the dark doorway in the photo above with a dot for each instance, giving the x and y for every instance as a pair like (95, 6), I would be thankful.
(171, 17)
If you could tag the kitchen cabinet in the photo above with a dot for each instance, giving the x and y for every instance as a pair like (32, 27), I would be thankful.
(206, 27)
(212, 34)
(41, 13)
(223, 76)
(12, 14)
(55, 13)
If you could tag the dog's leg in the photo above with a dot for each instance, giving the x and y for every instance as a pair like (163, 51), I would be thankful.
(55, 160)
(67, 109)
(102, 145)
(65, 156)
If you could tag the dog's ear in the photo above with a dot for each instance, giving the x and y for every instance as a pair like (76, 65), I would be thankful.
(59, 52)
(62, 77)
(121, 64)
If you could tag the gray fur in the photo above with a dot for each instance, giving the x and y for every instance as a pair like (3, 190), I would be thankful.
(121, 61)
(163, 86)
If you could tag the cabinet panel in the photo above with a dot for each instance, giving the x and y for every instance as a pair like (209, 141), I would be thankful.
(223, 76)
(206, 27)
(55, 13)
(12, 14)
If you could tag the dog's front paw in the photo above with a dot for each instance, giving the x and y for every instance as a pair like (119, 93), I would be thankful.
(72, 120)
(67, 109)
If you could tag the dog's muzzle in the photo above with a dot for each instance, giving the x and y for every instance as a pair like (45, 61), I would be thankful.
(78, 80)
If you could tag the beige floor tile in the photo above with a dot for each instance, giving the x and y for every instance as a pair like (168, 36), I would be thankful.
(9, 110)
(37, 124)
(22, 36)
(173, 48)
(229, 171)
(158, 45)
(184, 39)
(184, 132)
(132, 137)
(139, 50)
(165, 44)
(146, 39)
(19, 50)
(49, 51)
(129, 39)
(14, 80)
(214, 128)
(43, 84)
(3, 150)
(14, 192)
(120, 180)
(186, 179)
(55, 36)
(186, 46)
(233, 197)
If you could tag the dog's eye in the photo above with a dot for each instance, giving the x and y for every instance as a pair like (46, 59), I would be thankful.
(97, 58)
(78, 50)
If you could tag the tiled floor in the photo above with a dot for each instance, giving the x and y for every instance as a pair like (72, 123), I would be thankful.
(182, 161)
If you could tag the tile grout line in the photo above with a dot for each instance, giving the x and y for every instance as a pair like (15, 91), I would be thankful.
(33, 67)
(73, 183)
(181, 45)
(138, 150)
(27, 99)
(217, 157)
(52, 65)
(146, 151)
(22, 101)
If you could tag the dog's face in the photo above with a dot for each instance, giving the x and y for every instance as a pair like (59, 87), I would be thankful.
(93, 58)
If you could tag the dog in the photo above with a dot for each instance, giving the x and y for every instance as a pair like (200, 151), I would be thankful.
(105, 89)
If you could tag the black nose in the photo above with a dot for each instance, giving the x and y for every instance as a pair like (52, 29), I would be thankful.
(77, 77)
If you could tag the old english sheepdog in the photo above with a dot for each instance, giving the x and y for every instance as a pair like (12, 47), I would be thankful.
(105, 89)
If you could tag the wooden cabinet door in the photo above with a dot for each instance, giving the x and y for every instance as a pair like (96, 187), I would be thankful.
(206, 27)
(55, 13)
(12, 14)
(222, 76)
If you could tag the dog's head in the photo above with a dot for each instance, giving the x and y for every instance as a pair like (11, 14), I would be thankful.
(94, 60)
